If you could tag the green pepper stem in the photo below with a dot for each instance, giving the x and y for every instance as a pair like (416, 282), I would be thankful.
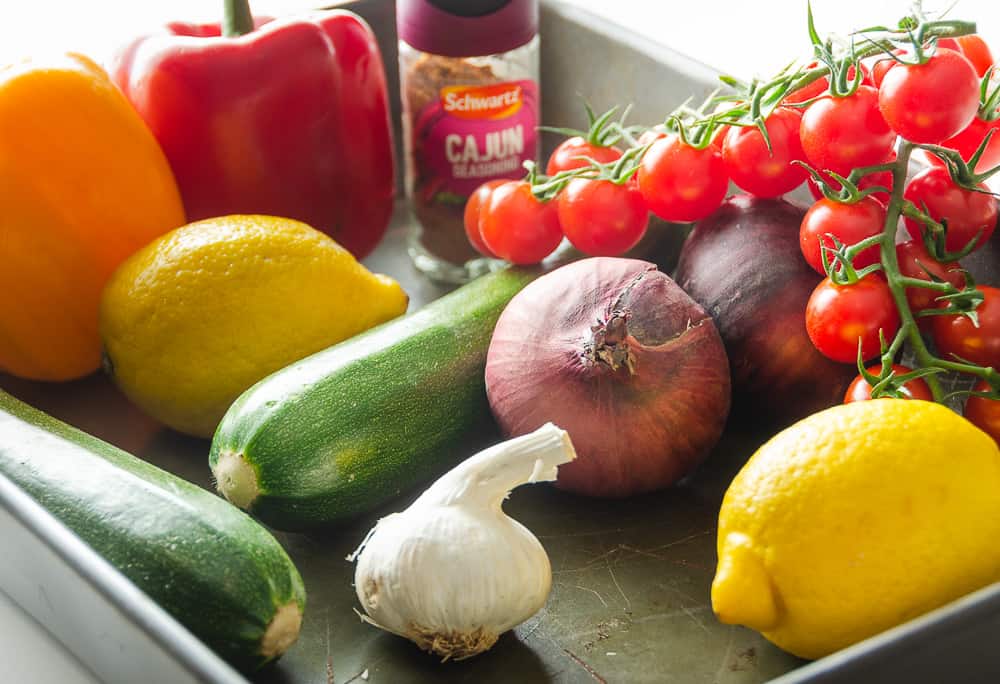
(236, 18)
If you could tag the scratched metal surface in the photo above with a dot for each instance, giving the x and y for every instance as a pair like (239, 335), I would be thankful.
(630, 597)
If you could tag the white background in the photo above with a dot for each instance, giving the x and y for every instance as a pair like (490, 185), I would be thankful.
(742, 37)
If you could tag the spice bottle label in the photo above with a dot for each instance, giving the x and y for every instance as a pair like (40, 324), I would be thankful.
(475, 133)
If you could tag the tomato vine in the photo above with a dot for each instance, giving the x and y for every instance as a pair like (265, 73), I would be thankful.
(768, 135)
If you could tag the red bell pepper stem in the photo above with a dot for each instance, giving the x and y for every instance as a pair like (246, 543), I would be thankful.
(236, 18)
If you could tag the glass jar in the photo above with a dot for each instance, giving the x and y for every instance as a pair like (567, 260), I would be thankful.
(468, 117)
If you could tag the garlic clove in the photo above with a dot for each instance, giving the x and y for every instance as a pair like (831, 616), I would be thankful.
(453, 572)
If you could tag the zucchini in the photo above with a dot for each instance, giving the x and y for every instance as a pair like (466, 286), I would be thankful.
(208, 564)
(344, 430)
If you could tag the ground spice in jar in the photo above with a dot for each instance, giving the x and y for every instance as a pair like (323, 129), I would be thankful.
(470, 112)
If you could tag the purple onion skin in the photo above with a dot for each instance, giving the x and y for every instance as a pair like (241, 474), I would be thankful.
(744, 265)
(634, 430)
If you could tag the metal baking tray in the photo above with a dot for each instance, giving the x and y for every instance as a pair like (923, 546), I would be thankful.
(630, 597)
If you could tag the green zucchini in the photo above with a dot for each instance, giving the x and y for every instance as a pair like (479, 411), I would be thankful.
(208, 564)
(344, 430)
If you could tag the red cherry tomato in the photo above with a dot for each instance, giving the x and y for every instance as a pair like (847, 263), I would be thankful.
(843, 133)
(682, 183)
(808, 92)
(719, 134)
(651, 135)
(966, 212)
(984, 413)
(719, 137)
(837, 316)
(956, 334)
(882, 179)
(572, 153)
(973, 48)
(968, 141)
(516, 226)
(880, 64)
(763, 172)
(820, 85)
(849, 223)
(472, 206)
(915, 262)
(601, 218)
(860, 390)
(930, 102)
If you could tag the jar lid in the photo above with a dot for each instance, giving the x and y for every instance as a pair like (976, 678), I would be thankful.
(466, 28)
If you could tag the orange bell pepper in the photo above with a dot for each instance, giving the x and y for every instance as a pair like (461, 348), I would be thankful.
(83, 184)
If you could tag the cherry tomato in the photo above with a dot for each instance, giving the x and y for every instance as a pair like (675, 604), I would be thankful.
(837, 316)
(915, 262)
(849, 223)
(808, 92)
(651, 135)
(518, 227)
(966, 212)
(930, 102)
(860, 390)
(719, 134)
(601, 218)
(973, 48)
(719, 137)
(880, 64)
(472, 206)
(881, 178)
(571, 154)
(763, 172)
(984, 413)
(956, 334)
(680, 182)
(968, 141)
(820, 85)
(842, 133)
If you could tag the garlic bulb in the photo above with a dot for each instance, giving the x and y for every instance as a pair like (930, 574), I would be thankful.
(452, 572)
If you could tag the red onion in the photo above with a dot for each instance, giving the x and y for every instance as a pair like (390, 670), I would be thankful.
(615, 353)
(744, 265)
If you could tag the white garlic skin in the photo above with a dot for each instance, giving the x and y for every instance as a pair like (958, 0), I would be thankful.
(466, 573)
(453, 572)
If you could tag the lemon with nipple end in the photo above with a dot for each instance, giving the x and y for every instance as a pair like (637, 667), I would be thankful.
(202, 313)
(856, 519)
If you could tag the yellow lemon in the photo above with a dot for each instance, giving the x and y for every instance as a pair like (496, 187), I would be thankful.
(856, 519)
(202, 313)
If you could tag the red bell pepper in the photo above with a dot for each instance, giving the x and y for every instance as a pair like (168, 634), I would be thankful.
(288, 117)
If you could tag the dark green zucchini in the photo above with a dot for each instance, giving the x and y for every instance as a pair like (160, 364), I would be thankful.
(341, 432)
(208, 564)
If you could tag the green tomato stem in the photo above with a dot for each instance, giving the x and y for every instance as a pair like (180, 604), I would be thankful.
(909, 331)
(941, 29)
(897, 286)
(928, 285)
(985, 373)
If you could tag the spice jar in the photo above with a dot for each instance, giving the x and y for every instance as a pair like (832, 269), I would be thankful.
(469, 79)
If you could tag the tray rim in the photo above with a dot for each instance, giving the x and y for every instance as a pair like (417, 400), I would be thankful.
(206, 666)
(908, 636)
(135, 606)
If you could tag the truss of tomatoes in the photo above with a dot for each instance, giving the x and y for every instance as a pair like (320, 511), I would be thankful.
(933, 103)
(937, 101)
(601, 213)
